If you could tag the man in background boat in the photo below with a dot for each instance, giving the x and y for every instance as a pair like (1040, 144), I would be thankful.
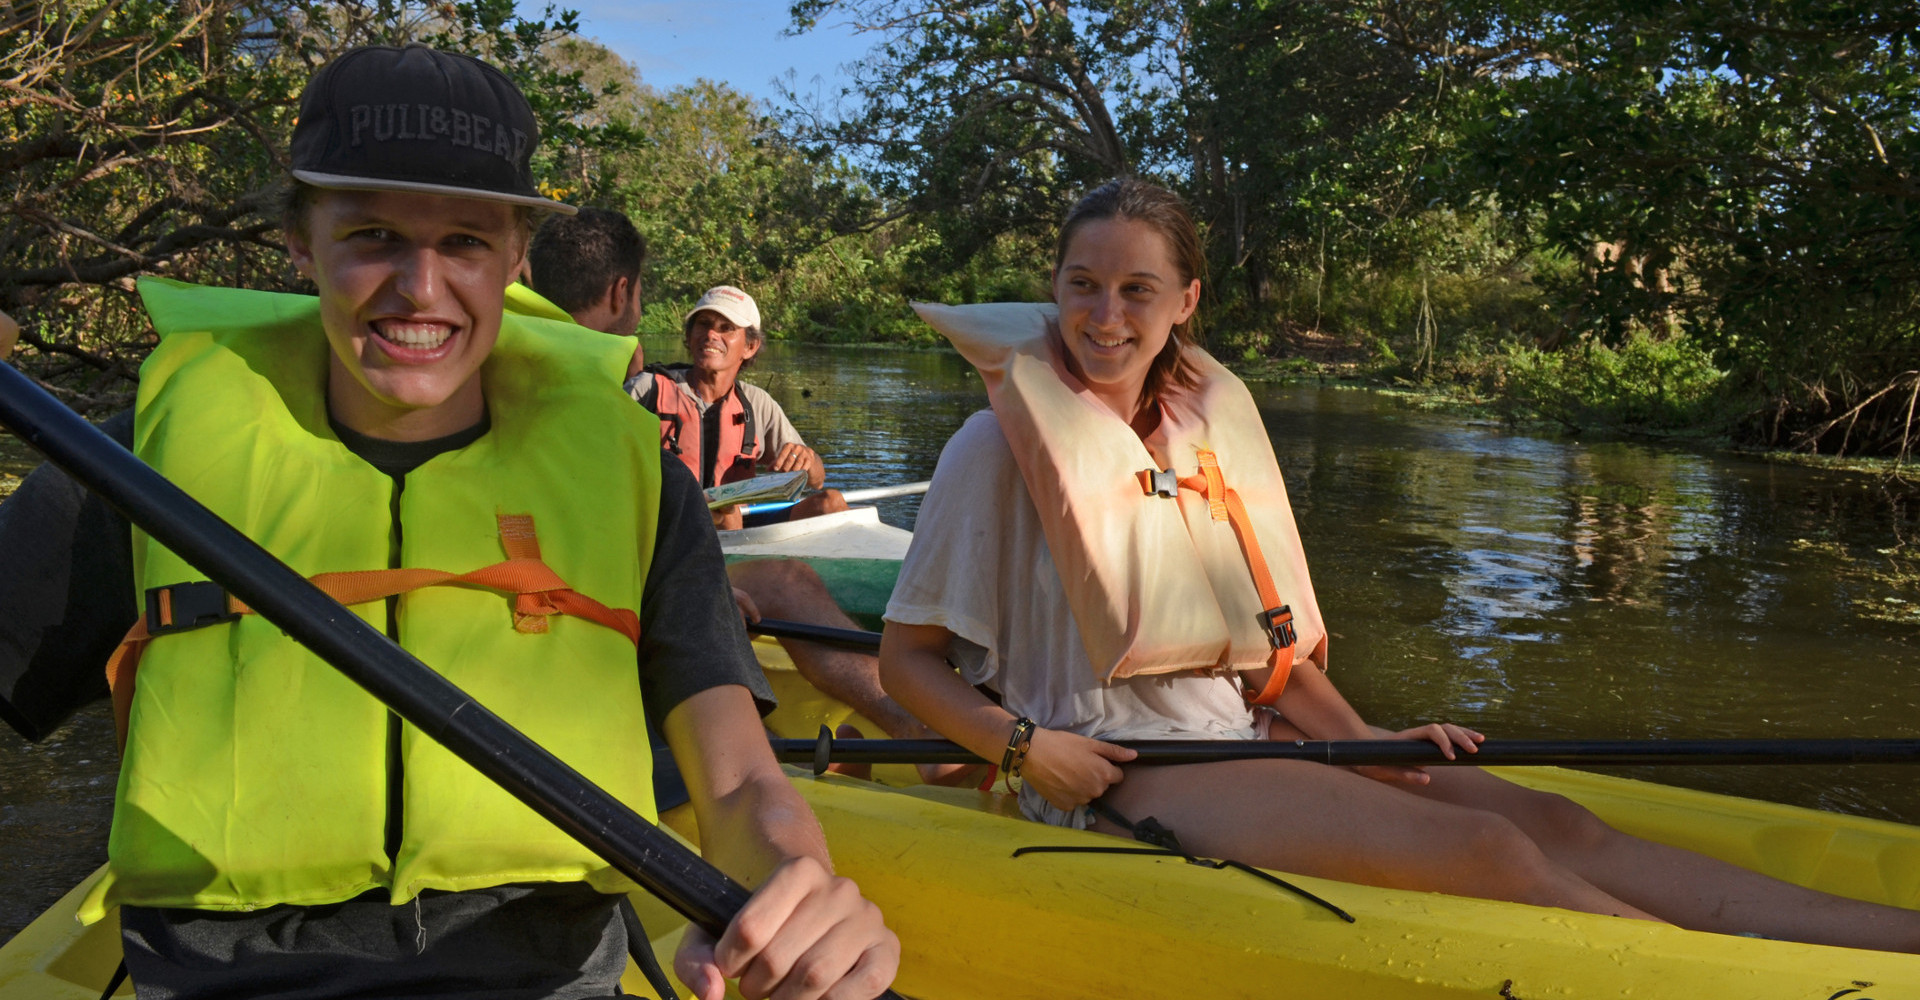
(247, 855)
(723, 428)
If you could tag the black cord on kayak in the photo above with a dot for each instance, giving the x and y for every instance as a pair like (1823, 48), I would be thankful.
(1214, 863)
(120, 976)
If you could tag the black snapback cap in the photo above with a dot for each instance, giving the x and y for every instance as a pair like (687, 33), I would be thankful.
(380, 118)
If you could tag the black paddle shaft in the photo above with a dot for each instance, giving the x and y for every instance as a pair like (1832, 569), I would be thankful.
(826, 635)
(600, 822)
(1507, 753)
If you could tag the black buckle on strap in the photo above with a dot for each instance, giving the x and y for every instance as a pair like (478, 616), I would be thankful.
(1278, 623)
(190, 606)
(1163, 483)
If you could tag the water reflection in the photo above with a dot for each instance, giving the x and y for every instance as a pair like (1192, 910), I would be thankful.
(1559, 589)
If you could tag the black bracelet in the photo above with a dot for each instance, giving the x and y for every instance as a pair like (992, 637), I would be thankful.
(1017, 746)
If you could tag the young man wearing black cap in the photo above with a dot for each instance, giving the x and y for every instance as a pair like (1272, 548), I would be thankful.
(276, 831)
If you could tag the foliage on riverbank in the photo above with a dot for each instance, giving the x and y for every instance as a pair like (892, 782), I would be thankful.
(1733, 177)
(1646, 385)
(1665, 219)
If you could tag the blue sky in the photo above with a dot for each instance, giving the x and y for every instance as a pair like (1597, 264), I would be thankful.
(738, 42)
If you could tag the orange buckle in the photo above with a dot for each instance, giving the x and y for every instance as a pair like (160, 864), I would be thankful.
(1160, 482)
(182, 607)
(1278, 623)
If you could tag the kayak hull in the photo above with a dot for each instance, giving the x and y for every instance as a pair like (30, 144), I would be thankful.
(978, 922)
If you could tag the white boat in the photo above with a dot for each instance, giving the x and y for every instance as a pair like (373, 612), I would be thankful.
(854, 533)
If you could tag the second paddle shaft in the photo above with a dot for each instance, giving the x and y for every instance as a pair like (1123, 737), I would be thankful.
(1349, 753)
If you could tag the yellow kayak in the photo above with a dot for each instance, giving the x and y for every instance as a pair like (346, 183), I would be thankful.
(977, 922)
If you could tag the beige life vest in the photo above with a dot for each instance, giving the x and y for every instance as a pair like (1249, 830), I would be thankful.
(1155, 586)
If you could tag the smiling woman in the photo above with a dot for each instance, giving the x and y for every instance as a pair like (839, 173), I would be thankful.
(1112, 551)
(1124, 307)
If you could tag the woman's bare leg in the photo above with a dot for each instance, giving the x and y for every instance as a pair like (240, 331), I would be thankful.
(1684, 887)
(1329, 822)
(1687, 888)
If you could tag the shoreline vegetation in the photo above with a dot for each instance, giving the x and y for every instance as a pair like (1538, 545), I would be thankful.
(1682, 223)
(1344, 367)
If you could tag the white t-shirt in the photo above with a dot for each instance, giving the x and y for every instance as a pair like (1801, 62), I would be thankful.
(979, 567)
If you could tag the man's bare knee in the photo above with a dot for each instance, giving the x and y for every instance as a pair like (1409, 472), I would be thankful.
(788, 575)
(824, 502)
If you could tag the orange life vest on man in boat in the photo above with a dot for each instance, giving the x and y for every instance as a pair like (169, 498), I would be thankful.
(682, 429)
(1197, 567)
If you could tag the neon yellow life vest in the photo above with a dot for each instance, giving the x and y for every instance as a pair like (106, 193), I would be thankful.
(256, 774)
(525, 301)
(1155, 586)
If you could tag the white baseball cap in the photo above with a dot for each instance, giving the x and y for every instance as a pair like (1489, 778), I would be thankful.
(737, 306)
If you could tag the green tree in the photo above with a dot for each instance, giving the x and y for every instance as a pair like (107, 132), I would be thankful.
(1739, 171)
(722, 197)
(1315, 133)
(149, 137)
(1299, 129)
(986, 118)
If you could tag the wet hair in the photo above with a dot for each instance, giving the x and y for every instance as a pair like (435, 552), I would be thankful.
(576, 258)
(1167, 214)
(296, 202)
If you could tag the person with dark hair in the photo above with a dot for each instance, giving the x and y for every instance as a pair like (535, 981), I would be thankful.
(722, 429)
(1111, 549)
(277, 831)
(589, 264)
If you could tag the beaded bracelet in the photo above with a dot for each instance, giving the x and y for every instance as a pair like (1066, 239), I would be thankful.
(1017, 746)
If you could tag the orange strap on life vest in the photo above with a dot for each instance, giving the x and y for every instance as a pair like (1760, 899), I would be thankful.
(1223, 504)
(538, 592)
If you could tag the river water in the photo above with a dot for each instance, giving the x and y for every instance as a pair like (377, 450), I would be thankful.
(1528, 587)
